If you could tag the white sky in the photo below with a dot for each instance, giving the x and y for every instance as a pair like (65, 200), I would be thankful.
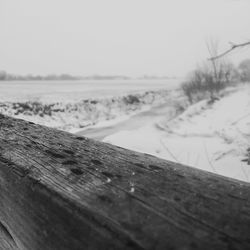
(133, 37)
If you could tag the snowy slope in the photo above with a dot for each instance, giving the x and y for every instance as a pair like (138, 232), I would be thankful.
(75, 115)
(209, 136)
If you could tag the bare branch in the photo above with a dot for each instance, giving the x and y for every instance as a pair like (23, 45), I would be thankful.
(234, 46)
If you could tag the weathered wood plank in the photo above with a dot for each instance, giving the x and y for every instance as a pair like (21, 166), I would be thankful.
(60, 191)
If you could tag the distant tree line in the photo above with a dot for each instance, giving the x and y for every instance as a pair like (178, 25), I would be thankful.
(4, 76)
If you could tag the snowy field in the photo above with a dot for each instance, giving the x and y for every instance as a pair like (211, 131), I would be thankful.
(74, 105)
(210, 136)
(75, 91)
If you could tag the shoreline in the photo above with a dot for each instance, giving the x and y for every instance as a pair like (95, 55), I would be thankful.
(151, 116)
(77, 116)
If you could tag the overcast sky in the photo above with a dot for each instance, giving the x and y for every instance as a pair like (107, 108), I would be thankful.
(132, 37)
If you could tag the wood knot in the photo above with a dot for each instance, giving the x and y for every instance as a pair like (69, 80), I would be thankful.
(96, 162)
(76, 171)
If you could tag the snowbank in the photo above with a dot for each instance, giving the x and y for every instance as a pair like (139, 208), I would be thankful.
(74, 115)
(210, 136)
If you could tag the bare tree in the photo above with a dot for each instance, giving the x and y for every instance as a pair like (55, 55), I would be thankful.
(220, 68)
(233, 47)
(209, 78)
(212, 47)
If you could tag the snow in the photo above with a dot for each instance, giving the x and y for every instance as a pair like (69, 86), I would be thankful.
(74, 116)
(75, 91)
(112, 122)
(209, 136)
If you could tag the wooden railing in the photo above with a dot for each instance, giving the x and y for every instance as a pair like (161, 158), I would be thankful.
(60, 191)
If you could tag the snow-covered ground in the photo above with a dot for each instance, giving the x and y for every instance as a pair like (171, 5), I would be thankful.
(75, 115)
(75, 105)
(69, 91)
(210, 136)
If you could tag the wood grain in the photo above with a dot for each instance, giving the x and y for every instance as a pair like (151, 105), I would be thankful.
(61, 191)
